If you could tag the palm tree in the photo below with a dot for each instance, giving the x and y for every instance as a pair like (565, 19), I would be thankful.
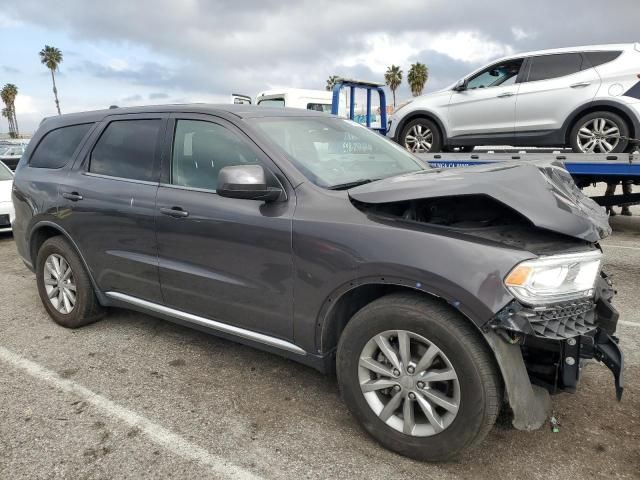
(418, 76)
(51, 57)
(393, 78)
(12, 92)
(7, 112)
(331, 82)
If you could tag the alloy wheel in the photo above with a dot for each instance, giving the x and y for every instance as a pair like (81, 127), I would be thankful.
(599, 135)
(419, 139)
(409, 383)
(59, 283)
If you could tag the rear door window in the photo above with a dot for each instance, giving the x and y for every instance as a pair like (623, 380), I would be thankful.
(128, 149)
(545, 67)
(58, 146)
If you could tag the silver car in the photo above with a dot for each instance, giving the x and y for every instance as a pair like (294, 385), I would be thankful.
(10, 155)
(586, 98)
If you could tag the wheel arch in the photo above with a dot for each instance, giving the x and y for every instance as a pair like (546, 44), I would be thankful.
(422, 114)
(44, 230)
(340, 306)
(598, 106)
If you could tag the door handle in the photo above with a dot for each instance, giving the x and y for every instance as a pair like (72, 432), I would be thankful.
(580, 84)
(505, 94)
(73, 196)
(176, 212)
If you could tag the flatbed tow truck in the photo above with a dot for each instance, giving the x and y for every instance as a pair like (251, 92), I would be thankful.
(585, 168)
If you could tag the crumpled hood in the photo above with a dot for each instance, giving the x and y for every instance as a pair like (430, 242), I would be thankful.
(541, 191)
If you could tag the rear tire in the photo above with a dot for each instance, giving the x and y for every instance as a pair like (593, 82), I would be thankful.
(599, 132)
(477, 380)
(64, 285)
(421, 136)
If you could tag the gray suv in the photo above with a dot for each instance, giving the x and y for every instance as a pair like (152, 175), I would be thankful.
(437, 296)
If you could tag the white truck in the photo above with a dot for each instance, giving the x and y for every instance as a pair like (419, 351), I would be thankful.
(318, 100)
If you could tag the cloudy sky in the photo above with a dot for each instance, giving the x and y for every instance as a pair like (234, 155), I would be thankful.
(132, 52)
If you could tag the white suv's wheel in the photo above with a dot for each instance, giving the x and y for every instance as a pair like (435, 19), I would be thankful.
(421, 136)
(599, 132)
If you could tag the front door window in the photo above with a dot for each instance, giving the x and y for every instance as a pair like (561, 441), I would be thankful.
(504, 73)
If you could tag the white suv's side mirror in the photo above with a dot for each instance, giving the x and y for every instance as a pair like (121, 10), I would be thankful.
(461, 85)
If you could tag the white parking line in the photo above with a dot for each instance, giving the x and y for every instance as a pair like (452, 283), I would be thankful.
(629, 324)
(157, 434)
(619, 246)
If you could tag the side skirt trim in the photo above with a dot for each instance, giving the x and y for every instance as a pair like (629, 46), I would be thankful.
(205, 322)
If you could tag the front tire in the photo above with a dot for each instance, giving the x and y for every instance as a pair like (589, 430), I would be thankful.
(421, 136)
(418, 377)
(599, 132)
(64, 285)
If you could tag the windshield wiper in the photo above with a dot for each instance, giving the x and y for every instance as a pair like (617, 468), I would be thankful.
(355, 183)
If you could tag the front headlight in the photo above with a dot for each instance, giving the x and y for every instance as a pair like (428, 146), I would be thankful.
(555, 278)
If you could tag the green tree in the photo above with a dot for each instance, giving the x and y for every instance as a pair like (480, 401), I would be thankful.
(331, 82)
(393, 78)
(8, 95)
(417, 78)
(51, 57)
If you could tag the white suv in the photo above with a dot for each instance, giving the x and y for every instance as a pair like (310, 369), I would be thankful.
(586, 98)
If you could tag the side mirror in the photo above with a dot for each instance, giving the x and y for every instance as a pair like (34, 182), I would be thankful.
(247, 182)
(461, 85)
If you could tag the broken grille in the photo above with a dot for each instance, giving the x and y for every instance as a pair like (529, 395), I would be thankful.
(563, 321)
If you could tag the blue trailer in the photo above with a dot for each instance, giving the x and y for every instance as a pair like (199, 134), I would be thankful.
(369, 87)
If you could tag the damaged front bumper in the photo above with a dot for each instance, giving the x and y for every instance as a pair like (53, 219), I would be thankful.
(556, 341)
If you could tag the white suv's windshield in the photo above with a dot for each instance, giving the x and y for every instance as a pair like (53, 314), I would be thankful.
(335, 153)
(5, 173)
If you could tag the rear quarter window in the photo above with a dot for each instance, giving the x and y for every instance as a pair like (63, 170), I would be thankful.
(57, 147)
(598, 58)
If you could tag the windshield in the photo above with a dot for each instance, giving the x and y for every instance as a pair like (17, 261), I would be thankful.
(272, 102)
(5, 173)
(335, 153)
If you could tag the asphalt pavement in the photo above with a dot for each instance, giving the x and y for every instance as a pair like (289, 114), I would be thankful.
(136, 397)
